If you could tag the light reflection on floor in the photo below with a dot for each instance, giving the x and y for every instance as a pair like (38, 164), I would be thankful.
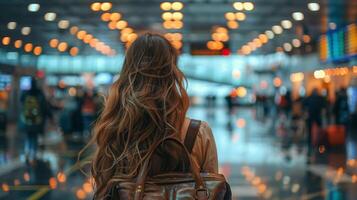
(256, 160)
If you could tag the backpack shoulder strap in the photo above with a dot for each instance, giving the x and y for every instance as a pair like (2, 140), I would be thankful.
(191, 134)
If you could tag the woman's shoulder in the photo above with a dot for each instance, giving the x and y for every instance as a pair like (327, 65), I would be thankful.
(205, 131)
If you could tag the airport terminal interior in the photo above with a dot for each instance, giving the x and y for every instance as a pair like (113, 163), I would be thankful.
(276, 80)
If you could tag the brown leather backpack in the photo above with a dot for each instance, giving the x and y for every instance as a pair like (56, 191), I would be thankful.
(177, 185)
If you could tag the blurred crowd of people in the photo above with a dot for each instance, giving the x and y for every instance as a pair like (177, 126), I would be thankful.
(73, 114)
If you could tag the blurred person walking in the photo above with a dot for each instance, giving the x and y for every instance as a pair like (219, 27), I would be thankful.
(315, 104)
(142, 129)
(341, 109)
(34, 112)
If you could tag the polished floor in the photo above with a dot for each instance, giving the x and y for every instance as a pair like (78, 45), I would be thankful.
(260, 157)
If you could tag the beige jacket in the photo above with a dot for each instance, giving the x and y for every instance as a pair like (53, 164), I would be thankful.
(204, 152)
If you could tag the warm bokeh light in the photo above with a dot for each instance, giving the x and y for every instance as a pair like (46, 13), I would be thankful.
(87, 187)
(241, 92)
(54, 43)
(96, 6)
(277, 82)
(62, 46)
(248, 6)
(37, 50)
(28, 47)
(52, 183)
(5, 187)
(73, 51)
(263, 38)
(306, 38)
(105, 17)
(6, 40)
(121, 24)
(112, 25)
(230, 16)
(63, 24)
(165, 6)
(166, 16)
(297, 77)
(238, 6)
(232, 24)
(177, 5)
(73, 30)
(87, 38)
(177, 16)
(240, 16)
(115, 16)
(106, 6)
(61, 177)
(80, 194)
(18, 44)
(126, 30)
(81, 34)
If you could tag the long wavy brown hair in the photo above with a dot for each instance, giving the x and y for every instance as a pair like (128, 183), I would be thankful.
(147, 103)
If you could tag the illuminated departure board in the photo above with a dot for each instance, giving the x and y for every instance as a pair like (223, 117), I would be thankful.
(339, 45)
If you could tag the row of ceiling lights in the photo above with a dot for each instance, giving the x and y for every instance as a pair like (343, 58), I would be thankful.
(277, 29)
(63, 46)
(115, 22)
(233, 18)
(172, 16)
(288, 47)
(28, 47)
(175, 39)
(92, 41)
(219, 35)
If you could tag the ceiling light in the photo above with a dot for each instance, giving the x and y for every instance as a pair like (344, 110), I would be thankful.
(176, 6)
(37, 50)
(166, 16)
(230, 16)
(105, 17)
(11, 25)
(298, 16)
(238, 6)
(106, 6)
(81, 34)
(286, 24)
(165, 6)
(54, 43)
(6, 40)
(96, 6)
(28, 47)
(25, 30)
(263, 38)
(248, 6)
(121, 24)
(73, 30)
(232, 24)
(18, 44)
(287, 47)
(33, 7)
(73, 51)
(269, 34)
(277, 29)
(240, 16)
(63, 24)
(313, 6)
(177, 16)
(115, 17)
(306, 38)
(62, 46)
(50, 16)
(296, 43)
